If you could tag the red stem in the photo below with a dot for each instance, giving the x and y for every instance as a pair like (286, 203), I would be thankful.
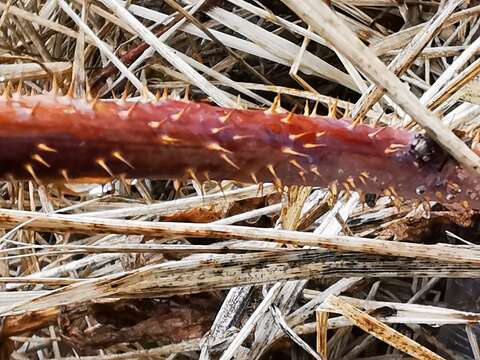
(52, 138)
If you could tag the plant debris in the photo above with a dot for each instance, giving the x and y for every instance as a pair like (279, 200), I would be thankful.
(148, 268)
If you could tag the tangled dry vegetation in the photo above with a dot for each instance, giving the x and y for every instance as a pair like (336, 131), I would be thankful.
(142, 268)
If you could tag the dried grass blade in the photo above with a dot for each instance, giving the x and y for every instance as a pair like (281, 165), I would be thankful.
(381, 331)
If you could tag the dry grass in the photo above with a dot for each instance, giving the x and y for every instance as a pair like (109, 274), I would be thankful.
(148, 269)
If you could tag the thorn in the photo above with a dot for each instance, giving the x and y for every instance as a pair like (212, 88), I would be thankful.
(362, 179)
(168, 139)
(176, 185)
(314, 169)
(186, 95)
(332, 109)
(320, 134)
(351, 182)
(218, 129)
(223, 119)
(88, 92)
(164, 94)
(214, 146)
(397, 146)
(30, 170)
(297, 165)
(158, 95)
(375, 133)
(394, 148)
(206, 175)
(241, 137)
(254, 177)
(192, 175)
(312, 146)
(144, 94)
(54, 90)
(6, 91)
(94, 103)
(45, 147)
(125, 92)
(238, 102)
(64, 173)
(38, 158)
(71, 89)
(177, 116)
(347, 112)
(306, 110)
(302, 176)
(393, 191)
(229, 161)
(155, 124)
(276, 180)
(287, 119)
(301, 171)
(294, 137)
(354, 123)
(290, 151)
(119, 156)
(365, 175)
(272, 170)
(104, 166)
(20, 87)
(315, 109)
(275, 105)
(130, 110)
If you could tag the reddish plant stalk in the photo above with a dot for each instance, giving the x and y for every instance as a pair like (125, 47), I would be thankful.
(132, 54)
(100, 78)
(52, 138)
